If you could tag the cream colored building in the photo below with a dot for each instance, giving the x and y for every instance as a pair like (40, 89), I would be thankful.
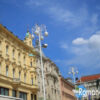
(18, 76)
(52, 84)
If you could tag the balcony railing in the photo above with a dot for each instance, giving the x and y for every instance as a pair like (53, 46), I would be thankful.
(16, 80)
(2, 97)
(19, 63)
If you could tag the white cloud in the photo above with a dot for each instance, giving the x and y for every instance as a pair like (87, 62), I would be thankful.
(86, 51)
(67, 16)
(93, 42)
(64, 15)
(79, 41)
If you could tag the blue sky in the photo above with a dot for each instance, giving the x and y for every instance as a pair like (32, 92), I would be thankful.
(73, 26)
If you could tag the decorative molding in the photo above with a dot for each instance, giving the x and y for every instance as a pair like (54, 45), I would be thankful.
(7, 61)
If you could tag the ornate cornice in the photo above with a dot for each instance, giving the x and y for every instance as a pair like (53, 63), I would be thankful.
(9, 34)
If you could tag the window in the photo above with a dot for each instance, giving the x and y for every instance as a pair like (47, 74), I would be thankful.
(24, 59)
(32, 95)
(6, 49)
(32, 80)
(18, 56)
(6, 70)
(14, 93)
(4, 91)
(35, 97)
(23, 95)
(19, 74)
(31, 63)
(24, 77)
(13, 73)
(55, 91)
(13, 53)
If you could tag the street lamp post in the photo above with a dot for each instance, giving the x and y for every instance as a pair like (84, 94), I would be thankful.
(73, 72)
(38, 30)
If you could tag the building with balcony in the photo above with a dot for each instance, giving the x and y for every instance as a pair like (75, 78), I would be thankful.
(52, 84)
(18, 76)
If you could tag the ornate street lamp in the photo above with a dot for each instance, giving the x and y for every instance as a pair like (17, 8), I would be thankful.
(41, 31)
(73, 72)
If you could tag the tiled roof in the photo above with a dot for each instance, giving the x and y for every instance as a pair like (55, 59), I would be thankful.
(89, 78)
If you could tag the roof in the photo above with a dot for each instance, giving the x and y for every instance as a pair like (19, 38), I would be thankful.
(3, 28)
(89, 78)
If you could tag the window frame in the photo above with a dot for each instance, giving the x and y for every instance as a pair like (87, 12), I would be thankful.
(7, 70)
(7, 47)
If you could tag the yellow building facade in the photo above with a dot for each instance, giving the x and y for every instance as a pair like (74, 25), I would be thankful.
(18, 76)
